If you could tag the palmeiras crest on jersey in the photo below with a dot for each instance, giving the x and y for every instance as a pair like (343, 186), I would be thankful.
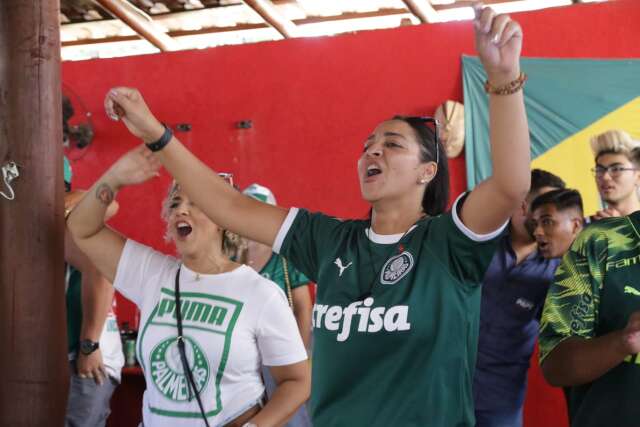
(168, 374)
(396, 268)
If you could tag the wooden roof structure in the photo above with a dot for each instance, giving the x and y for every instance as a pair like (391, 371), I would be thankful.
(167, 25)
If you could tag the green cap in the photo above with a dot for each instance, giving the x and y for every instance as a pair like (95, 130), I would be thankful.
(67, 170)
(261, 193)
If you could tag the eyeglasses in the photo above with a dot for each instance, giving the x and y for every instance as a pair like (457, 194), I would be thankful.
(432, 124)
(228, 177)
(614, 171)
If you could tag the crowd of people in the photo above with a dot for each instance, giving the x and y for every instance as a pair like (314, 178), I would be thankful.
(423, 316)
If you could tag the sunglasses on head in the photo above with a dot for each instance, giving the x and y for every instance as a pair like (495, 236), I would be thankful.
(228, 177)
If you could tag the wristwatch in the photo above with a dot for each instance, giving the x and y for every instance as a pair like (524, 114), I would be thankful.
(87, 347)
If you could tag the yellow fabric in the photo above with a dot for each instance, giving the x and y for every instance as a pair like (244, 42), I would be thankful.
(572, 159)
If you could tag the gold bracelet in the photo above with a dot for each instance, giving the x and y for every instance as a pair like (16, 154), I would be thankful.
(67, 212)
(507, 89)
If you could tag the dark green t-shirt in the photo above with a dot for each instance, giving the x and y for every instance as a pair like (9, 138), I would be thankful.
(395, 323)
(274, 271)
(596, 288)
(74, 308)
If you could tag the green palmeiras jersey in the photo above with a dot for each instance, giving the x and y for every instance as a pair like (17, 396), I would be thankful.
(395, 320)
(274, 271)
(597, 287)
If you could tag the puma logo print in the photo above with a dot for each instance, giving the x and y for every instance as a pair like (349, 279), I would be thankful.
(631, 290)
(342, 268)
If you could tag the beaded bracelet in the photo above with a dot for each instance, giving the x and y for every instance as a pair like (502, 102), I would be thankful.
(507, 89)
(164, 140)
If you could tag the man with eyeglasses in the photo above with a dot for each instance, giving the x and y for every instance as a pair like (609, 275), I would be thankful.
(617, 173)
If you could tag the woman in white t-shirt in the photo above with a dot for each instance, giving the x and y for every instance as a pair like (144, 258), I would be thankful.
(233, 320)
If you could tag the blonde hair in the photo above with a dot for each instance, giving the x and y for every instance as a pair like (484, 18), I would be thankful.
(231, 242)
(616, 141)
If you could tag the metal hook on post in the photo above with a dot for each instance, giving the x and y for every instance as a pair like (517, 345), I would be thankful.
(9, 173)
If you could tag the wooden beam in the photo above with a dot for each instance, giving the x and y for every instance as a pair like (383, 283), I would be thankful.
(268, 12)
(140, 23)
(469, 3)
(34, 371)
(423, 10)
(243, 27)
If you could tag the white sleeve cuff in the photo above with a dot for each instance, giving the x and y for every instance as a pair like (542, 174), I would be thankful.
(284, 230)
(469, 233)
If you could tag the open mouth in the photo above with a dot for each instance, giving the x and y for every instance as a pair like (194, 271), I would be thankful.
(373, 170)
(183, 229)
(543, 246)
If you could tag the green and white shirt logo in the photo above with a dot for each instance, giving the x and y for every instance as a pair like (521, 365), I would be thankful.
(396, 268)
(167, 371)
(208, 323)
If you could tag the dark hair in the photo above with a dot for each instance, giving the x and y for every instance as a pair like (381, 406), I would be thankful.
(436, 195)
(541, 178)
(562, 199)
(67, 113)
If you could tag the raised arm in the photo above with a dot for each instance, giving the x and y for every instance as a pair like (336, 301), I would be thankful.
(221, 203)
(491, 203)
(86, 222)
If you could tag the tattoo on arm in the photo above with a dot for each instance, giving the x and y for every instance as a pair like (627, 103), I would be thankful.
(104, 193)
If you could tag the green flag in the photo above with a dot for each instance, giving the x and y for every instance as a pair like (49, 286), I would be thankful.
(568, 101)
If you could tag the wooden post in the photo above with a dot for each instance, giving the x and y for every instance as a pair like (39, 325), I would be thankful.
(33, 356)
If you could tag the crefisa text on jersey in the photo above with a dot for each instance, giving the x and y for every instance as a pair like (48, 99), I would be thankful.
(370, 320)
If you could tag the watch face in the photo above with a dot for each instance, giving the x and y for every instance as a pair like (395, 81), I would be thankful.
(88, 346)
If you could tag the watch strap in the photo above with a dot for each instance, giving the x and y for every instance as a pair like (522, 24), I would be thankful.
(163, 141)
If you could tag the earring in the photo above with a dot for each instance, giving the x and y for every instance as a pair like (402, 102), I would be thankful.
(423, 181)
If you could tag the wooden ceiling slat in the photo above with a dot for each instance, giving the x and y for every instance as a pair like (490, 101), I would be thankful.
(423, 10)
(132, 17)
(268, 12)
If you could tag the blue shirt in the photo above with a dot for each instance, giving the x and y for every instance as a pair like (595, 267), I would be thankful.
(512, 300)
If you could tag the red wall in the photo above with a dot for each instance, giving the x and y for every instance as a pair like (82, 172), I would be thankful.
(313, 102)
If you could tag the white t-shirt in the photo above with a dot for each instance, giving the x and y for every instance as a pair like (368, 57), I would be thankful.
(111, 347)
(232, 322)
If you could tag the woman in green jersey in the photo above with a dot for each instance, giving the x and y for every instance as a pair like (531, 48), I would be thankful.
(396, 316)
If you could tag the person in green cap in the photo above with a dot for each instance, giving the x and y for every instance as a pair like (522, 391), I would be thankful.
(294, 284)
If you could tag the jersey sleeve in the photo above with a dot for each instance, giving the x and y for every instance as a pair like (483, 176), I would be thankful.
(297, 277)
(137, 263)
(279, 340)
(303, 238)
(467, 253)
(571, 306)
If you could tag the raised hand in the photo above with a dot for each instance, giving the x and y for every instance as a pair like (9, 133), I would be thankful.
(127, 104)
(135, 167)
(499, 43)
